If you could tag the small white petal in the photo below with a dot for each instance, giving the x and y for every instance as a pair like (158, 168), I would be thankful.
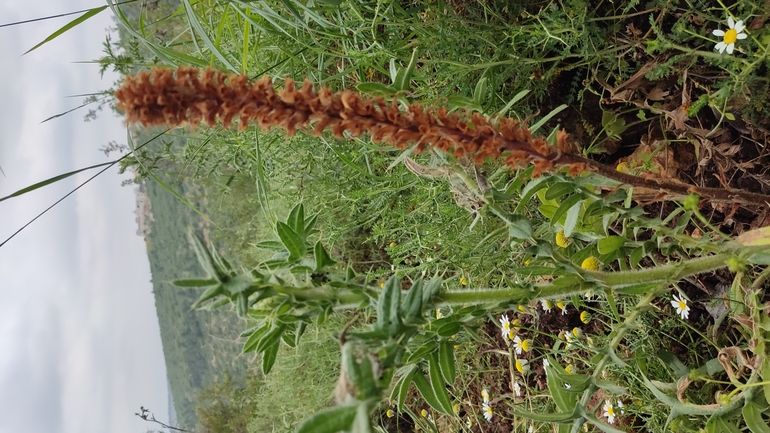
(718, 32)
(730, 22)
(742, 36)
(730, 48)
(720, 47)
(739, 26)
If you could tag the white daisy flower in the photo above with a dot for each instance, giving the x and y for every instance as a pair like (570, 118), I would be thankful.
(562, 306)
(487, 411)
(620, 406)
(682, 309)
(547, 305)
(729, 37)
(609, 412)
(520, 345)
(485, 395)
(505, 324)
(521, 366)
(517, 389)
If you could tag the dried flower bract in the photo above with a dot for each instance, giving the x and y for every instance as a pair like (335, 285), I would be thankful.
(187, 95)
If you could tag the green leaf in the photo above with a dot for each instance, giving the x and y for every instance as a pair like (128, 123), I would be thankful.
(717, 424)
(438, 384)
(446, 360)
(194, 283)
(208, 294)
(430, 290)
(564, 400)
(427, 392)
(573, 214)
(671, 361)
(376, 89)
(387, 306)
(322, 258)
(236, 285)
(270, 338)
(251, 343)
(559, 189)
(296, 220)
(204, 256)
(401, 389)
(411, 305)
(405, 76)
(71, 24)
(268, 358)
(422, 352)
(192, 19)
(561, 417)
(752, 414)
(547, 117)
(610, 244)
(448, 329)
(52, 180)
(362, 422)
(480, 92)
(519, 96)
(529, 190)
(519, 226)
(565, 206)
(291, 241)
(242, 304)
(270, 245)
(332, 420)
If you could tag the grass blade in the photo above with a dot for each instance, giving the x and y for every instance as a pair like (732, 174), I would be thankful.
(71, 24)
(52, 180)
(196, 25)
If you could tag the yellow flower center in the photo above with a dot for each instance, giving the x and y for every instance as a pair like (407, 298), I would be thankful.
(610, 411)
(730, 36)
(525, 345)
(682, 305)
(591, 264)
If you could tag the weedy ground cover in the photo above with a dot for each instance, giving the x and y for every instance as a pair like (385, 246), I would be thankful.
(493, 299)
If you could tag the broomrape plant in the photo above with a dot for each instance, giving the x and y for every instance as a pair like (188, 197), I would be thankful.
(412, 342)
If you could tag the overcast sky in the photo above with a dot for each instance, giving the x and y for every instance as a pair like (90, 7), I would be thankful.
(80, 347)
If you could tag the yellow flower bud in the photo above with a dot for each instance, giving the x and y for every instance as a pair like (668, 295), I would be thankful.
(591, 264)
(561, 239)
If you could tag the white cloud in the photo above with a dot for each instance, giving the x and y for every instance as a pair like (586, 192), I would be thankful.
(79, 339)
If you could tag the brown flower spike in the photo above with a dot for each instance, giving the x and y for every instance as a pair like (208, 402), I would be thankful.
(161, 97)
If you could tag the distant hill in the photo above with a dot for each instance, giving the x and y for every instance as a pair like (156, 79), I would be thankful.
(199, 346)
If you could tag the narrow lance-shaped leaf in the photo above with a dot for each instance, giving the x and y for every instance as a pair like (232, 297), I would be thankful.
(427, 392)
(69, 25)
(438, 384)
(446, 357)
(268, 358)
(291, 240)
(52, 180)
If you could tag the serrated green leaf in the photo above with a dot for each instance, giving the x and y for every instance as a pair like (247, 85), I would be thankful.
(322, 258)
(446, 361)
(573, 214)
(291, 240)
(610, 244)
(330, 420)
